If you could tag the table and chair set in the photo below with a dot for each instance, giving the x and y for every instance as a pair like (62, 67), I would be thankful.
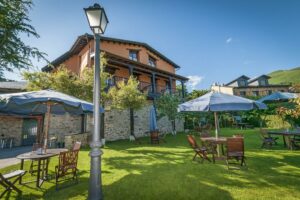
(291, 138)
(39, 167)
(230, 149)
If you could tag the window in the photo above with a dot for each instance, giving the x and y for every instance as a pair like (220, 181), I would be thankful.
(243, 83)
(83, 123)
(152, 61)
(242, 93)
(263, 82)
(255, 93)
(133, 55)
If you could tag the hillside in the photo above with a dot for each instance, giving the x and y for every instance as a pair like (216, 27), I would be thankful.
(285, 76)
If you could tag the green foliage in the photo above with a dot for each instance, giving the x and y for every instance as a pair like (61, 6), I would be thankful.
(196, 93)
(285, 76)
(290, 112)
(167, 105)
(127, 95)
(14, 21)
(63, 80)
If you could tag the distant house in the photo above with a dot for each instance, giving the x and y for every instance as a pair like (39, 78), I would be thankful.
(245, 86)
(12, 86)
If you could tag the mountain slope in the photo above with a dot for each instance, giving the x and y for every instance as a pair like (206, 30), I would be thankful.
(285, 76)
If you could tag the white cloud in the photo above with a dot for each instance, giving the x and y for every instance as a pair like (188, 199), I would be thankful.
(194, 82)
(228, 40)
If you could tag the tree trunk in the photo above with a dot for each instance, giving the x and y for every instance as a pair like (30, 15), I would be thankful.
(173, 127)
(132, 137)
(102, 128)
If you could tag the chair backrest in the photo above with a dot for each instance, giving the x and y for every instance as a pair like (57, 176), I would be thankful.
(192, 141)
(235, 144)
(68, 160)
(36, 146)
(76, 146)
(238, 135)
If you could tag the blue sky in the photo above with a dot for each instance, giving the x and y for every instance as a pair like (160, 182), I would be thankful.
(212, 40)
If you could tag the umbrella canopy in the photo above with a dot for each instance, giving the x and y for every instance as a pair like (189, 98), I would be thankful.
(36, 103)
(153, 123)
(44, 101)
(215, 101)
(278, 96)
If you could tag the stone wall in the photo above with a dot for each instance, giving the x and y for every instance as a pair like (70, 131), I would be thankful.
(11, 127)
(117, 124)
(71, 139)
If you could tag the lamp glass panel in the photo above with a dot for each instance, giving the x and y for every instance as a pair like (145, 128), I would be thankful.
(103, 22)
(94, 17)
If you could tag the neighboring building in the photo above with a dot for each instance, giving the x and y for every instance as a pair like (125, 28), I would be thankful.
(155, 72)
(245, 86)
(12, 86)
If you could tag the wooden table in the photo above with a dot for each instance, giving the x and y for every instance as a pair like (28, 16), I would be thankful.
(220, 141)
(286, 134)
(43, 162)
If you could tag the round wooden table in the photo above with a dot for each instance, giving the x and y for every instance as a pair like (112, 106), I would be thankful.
(43, 162)
(220, 141)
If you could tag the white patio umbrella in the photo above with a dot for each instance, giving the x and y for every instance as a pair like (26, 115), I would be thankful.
(217, 102)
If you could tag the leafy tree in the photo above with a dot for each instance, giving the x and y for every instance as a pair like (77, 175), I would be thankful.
(64, 80)
(128, 96)
(291, 112)
(14, 22)
(196, 93)
(167, 105)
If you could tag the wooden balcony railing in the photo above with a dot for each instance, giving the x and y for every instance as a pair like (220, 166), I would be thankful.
(147, 88)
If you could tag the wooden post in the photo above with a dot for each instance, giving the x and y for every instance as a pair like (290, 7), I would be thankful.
(216, 124)
(47, 124)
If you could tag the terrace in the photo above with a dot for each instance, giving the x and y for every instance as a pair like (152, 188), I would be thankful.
(166, 171)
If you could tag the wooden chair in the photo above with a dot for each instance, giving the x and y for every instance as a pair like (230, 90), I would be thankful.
(235, 150)
(5, 181)
(76, 146)
(267, 140)
(154, 137)
(67, 165)
(199, 151)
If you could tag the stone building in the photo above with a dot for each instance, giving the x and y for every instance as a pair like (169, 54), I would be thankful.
(155, 72)
(245, 86)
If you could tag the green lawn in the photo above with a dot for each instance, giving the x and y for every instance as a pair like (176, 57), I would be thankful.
(166, 171)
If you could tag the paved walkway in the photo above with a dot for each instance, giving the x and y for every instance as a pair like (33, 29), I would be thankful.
(8, 156)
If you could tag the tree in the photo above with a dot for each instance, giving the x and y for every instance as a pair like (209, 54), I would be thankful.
(14, 22)
(290, 112)
(64, 80)
(128, 96)
(196, 93)
(167, 105)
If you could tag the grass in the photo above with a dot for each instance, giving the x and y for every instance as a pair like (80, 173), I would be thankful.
(285, 76)
(166, 171)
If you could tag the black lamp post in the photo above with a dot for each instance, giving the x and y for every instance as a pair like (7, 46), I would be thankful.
(98, 21)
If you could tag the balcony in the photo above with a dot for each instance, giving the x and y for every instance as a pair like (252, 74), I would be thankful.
(147, 88)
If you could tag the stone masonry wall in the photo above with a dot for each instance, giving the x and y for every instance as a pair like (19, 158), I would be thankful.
(11, 127)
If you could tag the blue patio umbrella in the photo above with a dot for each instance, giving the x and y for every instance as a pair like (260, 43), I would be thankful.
(216, 102)
(153, 123)
(278, 96)
(43, 101)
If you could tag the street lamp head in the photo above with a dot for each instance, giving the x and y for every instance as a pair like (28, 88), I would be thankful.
(97, 18)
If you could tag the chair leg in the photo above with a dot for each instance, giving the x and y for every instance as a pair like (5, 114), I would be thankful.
(195, 156)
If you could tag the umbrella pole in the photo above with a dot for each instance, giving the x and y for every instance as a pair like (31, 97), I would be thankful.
(47, 125)
(216, 124)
